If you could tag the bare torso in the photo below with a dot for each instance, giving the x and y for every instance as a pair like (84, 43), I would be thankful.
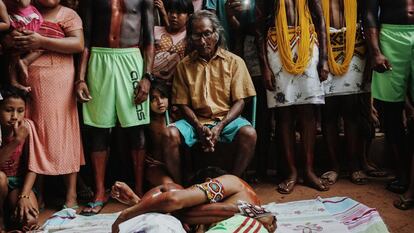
(396, 11)
(115, 23)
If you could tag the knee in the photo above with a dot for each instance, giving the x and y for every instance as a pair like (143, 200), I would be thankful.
(172, 136)
(247, 134)
(3, 181)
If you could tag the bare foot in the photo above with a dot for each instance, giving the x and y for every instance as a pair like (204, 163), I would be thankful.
(20, 86)
(22, 69)
(315, 182)
(124, 194)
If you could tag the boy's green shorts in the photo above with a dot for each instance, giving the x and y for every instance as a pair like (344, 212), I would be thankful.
(112, 77)
(397, 45)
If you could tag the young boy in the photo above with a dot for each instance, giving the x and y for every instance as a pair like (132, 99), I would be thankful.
(15, 181)
(155, 170)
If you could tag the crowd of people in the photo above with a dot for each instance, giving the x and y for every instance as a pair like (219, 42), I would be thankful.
(178, 74)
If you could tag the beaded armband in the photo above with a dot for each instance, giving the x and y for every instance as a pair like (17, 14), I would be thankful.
(213, 189)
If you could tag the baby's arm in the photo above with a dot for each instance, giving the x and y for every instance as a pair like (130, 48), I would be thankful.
(20, 132)
(4, 18)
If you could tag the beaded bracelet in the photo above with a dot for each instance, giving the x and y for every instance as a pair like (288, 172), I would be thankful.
(23, 196)
(79, 81)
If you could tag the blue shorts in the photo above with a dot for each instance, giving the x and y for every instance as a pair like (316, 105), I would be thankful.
(190, 136)
(15, 182)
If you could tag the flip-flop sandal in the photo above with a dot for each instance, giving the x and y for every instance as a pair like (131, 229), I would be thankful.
(376, 173)
(286, 187)
(404, 203)
(75, 207)
(92, 206)
(358, 177)
(396, 186)
(329, 177)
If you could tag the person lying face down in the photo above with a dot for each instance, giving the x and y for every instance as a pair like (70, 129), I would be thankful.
(212, 201)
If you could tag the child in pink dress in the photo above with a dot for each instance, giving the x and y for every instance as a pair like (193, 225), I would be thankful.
(23, 16)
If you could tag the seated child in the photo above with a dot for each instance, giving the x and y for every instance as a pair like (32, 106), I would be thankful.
(16, 181)
(156, 171)
(23, 16)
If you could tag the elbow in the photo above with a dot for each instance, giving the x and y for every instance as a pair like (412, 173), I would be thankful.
(79, 48)
(173, 202)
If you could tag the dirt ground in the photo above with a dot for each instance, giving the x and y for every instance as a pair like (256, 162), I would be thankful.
(372, 195)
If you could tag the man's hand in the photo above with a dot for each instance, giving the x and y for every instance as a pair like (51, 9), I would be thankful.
(233, 7)
(205, 136)
(82, 92)
(160, 5)
(323, 69)
(21, 130)
(269, 79)
(142, 90)
(216, 131)
(29, 40)
(381, 63)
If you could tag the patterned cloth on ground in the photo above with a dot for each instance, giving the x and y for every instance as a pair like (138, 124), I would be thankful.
(336, 214)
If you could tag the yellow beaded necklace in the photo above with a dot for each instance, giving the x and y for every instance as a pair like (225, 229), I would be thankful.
(283, 43)
(350, 12)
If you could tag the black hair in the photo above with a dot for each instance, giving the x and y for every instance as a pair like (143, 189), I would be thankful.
(12, 92)
(161, 87)
(209, 172)
(180, 6)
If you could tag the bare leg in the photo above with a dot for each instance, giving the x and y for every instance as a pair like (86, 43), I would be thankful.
(71, 195)
(286, 133)
(99, 159)
(137, 140)
(39, 186)
(24, 62)
(138, 158)
(245, 146)
(3, 194)
(306, 115)
(330, 130)
(14, 78)
(171, 153)
(406, 200)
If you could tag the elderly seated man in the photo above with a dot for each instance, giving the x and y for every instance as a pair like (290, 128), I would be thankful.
(216, 203)
(210, 87)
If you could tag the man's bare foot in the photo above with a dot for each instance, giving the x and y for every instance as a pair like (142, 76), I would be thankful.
(315, 182)
(124, 194)
(22, 69)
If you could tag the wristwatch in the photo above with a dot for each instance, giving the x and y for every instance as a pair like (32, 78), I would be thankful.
(149, 76)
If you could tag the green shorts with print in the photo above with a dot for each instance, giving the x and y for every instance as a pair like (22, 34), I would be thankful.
(397, 45)
(113, 75)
